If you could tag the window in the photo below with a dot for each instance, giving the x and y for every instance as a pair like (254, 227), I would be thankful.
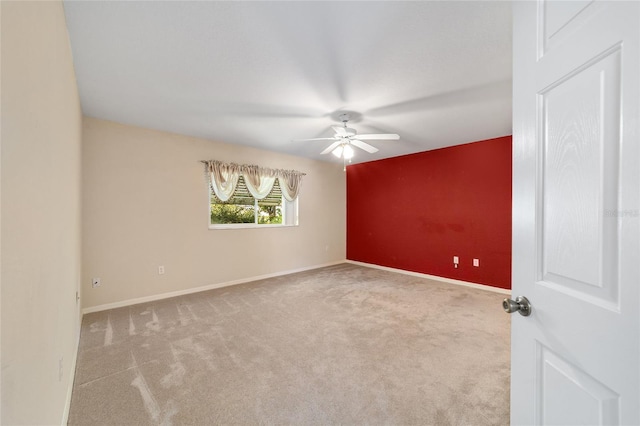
(242, 195)
(243, 210)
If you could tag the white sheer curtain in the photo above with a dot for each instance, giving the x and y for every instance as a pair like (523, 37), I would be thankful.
(290, 183)
(260, 180)
(224, 178)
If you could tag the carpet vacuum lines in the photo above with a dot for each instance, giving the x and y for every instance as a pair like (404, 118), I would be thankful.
(343, 344)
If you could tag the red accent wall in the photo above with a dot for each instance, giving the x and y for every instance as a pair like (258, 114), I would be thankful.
(417, 211)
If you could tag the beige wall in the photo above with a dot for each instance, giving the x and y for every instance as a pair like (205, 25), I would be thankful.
(145, 204)
(40, 166)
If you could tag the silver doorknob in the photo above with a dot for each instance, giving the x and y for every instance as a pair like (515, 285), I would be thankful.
(521, 304)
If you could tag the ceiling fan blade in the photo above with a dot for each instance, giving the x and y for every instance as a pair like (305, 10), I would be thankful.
(331, 147)
(314, 139)
(340, 130)
(391, 137)
(370, 149)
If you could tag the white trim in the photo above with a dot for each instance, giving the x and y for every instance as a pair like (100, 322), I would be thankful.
(161, 296)
(246, 280)
(248, 225)
(285, 205)
(434, 277)
(199, 289)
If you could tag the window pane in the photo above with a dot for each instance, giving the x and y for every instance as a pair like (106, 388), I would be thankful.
(269, 214)
(224, 213)
(270, 207)
(240, 208)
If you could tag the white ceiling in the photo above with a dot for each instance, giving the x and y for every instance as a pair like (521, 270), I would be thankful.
(265, 73)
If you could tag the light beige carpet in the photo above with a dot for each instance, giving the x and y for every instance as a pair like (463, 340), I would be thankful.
(339, 345)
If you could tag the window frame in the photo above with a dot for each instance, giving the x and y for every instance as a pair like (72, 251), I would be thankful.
(287, 207)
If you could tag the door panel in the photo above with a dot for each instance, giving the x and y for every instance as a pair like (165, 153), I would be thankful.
(568, 383)
(580, 145)
(576, 212)
(557, 20)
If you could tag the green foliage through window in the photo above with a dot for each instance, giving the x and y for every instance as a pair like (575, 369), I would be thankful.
(223, 213)
(243, 208)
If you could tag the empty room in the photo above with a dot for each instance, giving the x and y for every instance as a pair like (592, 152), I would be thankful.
(230, 212)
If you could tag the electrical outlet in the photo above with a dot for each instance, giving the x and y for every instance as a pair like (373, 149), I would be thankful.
(95, 282)
(455, 259)
(161, 270)
(476, 262)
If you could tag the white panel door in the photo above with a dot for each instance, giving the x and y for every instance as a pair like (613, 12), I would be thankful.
(576, 213)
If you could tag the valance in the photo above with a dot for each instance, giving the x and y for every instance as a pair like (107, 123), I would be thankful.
(260, 180)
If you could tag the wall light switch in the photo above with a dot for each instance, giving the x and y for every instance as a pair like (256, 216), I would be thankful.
(455, 259)
(476, 262)
(160, 270)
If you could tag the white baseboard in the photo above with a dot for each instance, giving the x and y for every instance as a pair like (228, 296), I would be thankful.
(434, 277)
(161, 296)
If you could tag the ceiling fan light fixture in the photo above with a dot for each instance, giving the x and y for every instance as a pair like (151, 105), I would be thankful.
(347, 152)
(346, 138)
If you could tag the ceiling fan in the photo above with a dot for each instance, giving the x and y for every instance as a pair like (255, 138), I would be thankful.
(346, 138)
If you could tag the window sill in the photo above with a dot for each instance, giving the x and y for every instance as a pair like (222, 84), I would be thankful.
(247, 226)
